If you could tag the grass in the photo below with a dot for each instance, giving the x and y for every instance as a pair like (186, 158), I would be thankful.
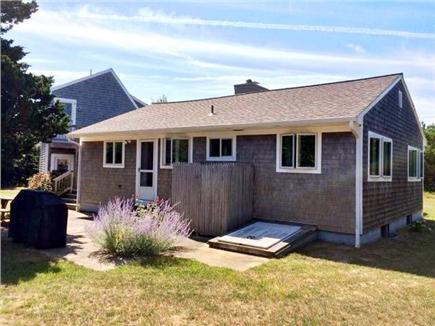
(429, 205)
(388, 282)
(10, 191)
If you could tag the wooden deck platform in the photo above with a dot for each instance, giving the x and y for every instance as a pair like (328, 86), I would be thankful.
(266, 239)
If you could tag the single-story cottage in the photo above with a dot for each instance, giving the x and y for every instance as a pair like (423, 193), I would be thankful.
(346, 157)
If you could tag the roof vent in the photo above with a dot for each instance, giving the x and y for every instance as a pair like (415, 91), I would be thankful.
(211, 111)
(250, 86)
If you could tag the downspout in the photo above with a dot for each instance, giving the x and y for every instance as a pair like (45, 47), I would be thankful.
(79, 168)
(357, 130)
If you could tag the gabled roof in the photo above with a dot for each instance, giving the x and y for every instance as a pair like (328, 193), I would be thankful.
(322, 103)
(139, 102)
(107, 71)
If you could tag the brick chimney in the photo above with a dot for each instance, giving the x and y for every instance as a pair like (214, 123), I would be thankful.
(250, 86)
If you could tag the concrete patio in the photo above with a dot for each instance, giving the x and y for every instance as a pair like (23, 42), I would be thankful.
(82, 251)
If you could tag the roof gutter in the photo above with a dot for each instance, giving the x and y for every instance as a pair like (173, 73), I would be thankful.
(229, 127)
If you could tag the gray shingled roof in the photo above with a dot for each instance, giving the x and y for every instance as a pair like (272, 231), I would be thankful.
(338, 101)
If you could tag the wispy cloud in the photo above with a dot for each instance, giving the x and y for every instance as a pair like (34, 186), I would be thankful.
(356, 48)
(183, 64)
(61, 76)
(147, 15)
(51, 25)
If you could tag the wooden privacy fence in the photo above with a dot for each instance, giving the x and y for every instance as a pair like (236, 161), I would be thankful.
(216, 197)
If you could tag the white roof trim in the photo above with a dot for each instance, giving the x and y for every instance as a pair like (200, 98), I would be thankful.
(377, 99)
(110, 70)
(55, 88)
(282, 124)
(123, 87)
(408, 95)
(138, 100)
(385, 92)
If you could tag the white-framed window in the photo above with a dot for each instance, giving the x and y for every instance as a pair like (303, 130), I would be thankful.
(221, 148)
(175, 150)
(114, 154)
(70, 107)
(415, 164)
(299, 152)
(400, 99)
(380, 157)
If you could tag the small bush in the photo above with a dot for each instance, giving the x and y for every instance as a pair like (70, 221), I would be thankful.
(41, 181)
(123, 231)
(419, 226)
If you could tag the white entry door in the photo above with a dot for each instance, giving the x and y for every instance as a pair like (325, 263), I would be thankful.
(62, 162)
(146, 178)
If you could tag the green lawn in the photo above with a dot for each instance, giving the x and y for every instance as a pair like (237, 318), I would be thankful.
(11, 191)
(389, 282)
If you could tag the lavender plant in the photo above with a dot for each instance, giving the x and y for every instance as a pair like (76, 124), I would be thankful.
(150, 230)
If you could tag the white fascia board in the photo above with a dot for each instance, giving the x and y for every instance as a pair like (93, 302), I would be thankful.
(408, 95)
(138, 100)
(320, 123)
(55, 88)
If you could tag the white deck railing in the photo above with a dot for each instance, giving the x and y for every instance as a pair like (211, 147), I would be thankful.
(63, 183)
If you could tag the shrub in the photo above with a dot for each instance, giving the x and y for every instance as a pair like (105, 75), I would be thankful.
(419, 226)
(41, 181)
(124, 231)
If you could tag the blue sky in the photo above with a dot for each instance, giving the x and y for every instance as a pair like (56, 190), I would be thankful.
(195, 49)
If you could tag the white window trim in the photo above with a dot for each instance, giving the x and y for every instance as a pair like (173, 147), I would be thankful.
(162, 151)
(297, 169)
(231, 158)
(113, 165)
(380, 177)
(417, 178)
(400, 95)
(55, 156)
(73, 107)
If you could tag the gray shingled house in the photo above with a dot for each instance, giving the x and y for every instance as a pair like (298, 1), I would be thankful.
(86, 100)
(344, 157)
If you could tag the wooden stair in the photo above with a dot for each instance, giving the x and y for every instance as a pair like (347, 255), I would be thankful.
(70, 199)
(302, 237)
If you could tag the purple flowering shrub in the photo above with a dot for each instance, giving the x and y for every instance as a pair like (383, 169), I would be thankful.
(124, 231)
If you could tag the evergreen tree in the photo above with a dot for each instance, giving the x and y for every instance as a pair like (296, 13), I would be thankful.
(429, 158)
(28, 114)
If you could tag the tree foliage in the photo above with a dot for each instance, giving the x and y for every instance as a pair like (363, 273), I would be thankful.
(429, 158)
(29, 115)
(161, 99)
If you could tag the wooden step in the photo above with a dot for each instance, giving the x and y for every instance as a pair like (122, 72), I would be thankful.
(72, 196)
(72, 206)
(302, 237)
(69, 200)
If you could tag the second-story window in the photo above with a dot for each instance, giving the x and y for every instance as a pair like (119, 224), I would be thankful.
(70, 108)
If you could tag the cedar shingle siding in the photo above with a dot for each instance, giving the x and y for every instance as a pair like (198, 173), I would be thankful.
(326, 200)
(302, 198)
(386, 201)
(98, 98)
(99, 184)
